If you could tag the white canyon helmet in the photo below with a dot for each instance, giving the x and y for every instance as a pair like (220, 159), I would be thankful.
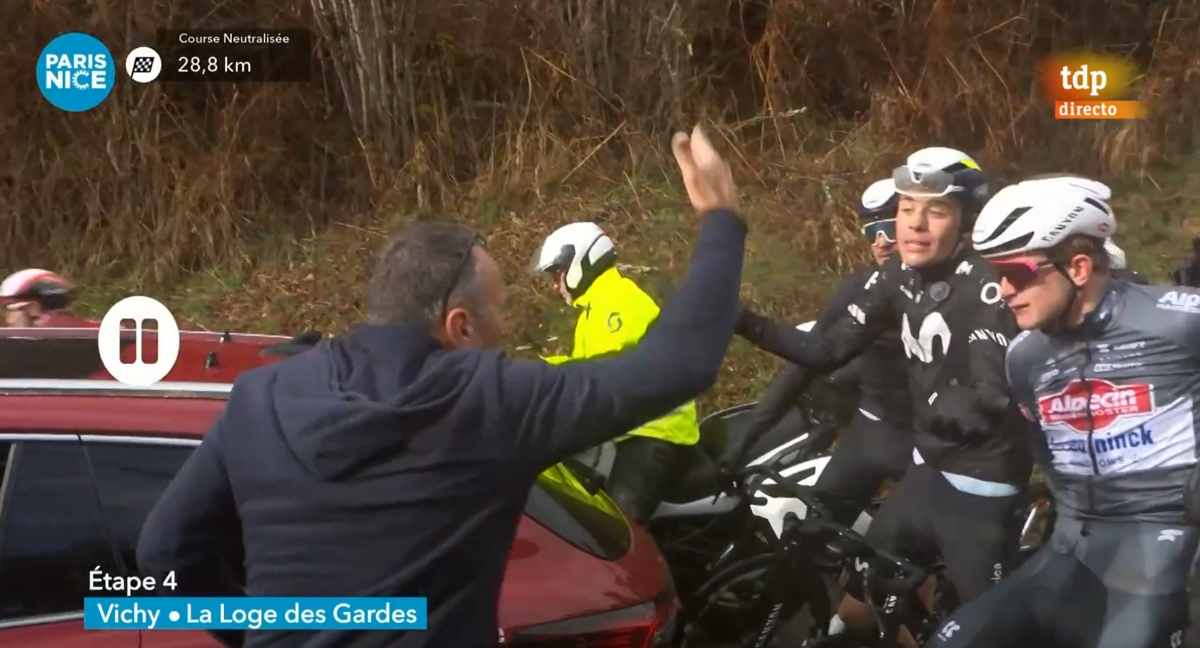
(1038, 213)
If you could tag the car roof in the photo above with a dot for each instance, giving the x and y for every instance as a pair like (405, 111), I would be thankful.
(106, 407)
(72, 353)
(53, 382)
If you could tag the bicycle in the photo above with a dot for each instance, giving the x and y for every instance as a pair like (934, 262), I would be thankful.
(795, 596)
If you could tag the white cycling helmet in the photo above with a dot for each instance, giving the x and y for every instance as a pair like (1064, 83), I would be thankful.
(1104, 193)
(940, 171)
(1037, 214)
(879, 201)
(582, 251)
(1095, 186)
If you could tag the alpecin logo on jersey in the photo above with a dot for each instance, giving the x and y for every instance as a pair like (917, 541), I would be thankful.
(1107, 402)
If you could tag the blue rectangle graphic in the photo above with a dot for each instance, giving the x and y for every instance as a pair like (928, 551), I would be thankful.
(253, 613)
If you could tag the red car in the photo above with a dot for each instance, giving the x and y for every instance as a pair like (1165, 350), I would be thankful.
(84, 458)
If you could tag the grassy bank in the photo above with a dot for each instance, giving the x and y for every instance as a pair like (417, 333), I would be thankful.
(254, 207)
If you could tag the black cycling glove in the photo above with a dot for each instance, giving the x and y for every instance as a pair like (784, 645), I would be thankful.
(966, 413)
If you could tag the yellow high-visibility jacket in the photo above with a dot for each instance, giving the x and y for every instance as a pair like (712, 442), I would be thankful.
(614, 315)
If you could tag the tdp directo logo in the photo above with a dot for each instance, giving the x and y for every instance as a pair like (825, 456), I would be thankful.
(1105, 401)
(1090, 85)
(133, 313)
(75, 72)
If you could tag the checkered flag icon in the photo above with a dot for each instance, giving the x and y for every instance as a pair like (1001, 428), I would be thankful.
(143, 64)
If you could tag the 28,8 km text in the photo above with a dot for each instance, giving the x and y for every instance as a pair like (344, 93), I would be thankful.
(213, 64)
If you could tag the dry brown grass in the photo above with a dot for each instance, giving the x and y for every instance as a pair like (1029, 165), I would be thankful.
(253, 206)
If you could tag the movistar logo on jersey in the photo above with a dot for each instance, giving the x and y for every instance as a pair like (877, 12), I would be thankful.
(1104, 401)
(933, 329)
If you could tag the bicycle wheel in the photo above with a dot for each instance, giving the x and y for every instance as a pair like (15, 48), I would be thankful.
(732, 609)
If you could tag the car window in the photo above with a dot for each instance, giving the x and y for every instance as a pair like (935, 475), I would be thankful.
(130, 477)
(52, 535)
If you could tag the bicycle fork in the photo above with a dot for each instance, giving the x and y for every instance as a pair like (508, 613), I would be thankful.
(893, 614)
(781, 589)
(777, 592)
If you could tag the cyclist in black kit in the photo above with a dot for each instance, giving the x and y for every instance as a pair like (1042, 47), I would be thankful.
(1111, 372)
(972, 456)
(877, 444)
(1188, 274)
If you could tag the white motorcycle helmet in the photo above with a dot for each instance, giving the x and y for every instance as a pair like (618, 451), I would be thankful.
(1039, 213)
(581, 251)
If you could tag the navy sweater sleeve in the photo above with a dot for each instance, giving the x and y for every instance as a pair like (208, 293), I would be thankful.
(562, 410)
(194, 531)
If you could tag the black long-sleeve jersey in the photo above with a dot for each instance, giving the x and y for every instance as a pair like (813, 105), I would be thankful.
(882, 387)
(954, 328)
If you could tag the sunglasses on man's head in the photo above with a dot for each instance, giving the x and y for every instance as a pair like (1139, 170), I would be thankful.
(476, 241)
(885, 229)
(1020, 274)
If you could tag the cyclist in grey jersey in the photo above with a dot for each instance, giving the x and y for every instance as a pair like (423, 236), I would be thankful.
(1117, 404)
(1111, 372)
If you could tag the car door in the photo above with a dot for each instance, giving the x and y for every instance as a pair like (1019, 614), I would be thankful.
(130, 476)
(52, 535)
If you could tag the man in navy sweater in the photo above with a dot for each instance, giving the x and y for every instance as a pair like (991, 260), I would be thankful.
(395, 461)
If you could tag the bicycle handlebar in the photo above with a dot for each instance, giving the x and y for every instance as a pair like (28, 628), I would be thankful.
(914, 575)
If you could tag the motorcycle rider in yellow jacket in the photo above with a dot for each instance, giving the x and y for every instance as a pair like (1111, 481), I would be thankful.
(614, 313)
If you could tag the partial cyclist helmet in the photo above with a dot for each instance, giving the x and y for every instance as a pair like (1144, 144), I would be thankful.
(36, 286)
(1116, 254)
(939, 171)
(878, 211)
(1038, 214)
(1099, 188)
(581, 251)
